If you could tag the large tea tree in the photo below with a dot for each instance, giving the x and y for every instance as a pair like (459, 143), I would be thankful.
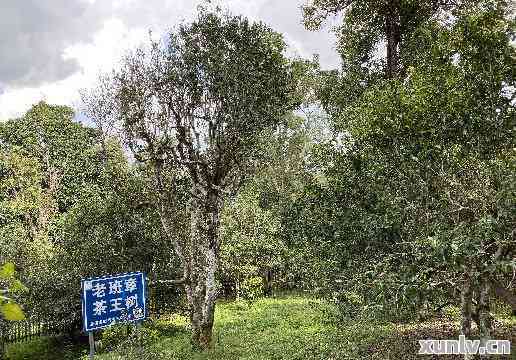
(193, 107)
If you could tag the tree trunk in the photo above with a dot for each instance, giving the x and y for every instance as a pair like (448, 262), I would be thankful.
(466, 306)
(3, 336)
(267, 279)
(197, 252)
(393, 37)
(484, 316)
(201, 288)
(202, 293)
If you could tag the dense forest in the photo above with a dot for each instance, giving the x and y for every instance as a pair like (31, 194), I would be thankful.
(232, 174)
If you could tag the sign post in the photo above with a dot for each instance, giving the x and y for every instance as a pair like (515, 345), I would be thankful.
(140, 341)
(113, 299)
(92, 344)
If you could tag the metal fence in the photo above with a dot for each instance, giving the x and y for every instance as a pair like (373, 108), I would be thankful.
(26, 330)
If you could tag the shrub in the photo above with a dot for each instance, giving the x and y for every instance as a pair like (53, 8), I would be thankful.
(121, 336)
(252, 288)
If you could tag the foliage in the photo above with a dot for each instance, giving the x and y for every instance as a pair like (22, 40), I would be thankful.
(120, 336)
(66, 205)
(250, 245)
(367, 26)
(44, 348)
(9, 286)
(256, 240)
(252, 288)
(64, 149)
(426, 178)
(20, 199)
(46, 160)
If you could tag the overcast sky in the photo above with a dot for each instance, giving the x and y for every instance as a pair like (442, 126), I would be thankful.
(52, 48)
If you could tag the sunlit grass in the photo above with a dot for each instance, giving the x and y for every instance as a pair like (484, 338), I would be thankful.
(275, 328)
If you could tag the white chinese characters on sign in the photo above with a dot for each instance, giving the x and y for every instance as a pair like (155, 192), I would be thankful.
(130, 285)
(99, 290)
(115, 287)
(116, 305)
(99, 307)
(119, 304)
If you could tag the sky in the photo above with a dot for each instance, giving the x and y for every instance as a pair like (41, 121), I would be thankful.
(52, 48)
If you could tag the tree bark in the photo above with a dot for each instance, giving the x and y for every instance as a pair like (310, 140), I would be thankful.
(267, 279)
(484, 316)
(202, 289)
(466, 306)
(393, 38)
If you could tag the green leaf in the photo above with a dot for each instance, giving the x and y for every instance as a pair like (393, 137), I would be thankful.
(17, 286)
(7, 270)
(12, 311)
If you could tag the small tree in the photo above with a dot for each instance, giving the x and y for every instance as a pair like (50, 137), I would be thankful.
(193, 108)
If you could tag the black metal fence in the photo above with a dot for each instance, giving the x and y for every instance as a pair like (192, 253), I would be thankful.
(31, 328)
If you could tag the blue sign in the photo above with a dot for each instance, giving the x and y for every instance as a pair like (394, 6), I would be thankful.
(111, 299)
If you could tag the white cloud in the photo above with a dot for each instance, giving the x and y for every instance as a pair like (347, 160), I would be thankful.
(108, 45)
(125, 24)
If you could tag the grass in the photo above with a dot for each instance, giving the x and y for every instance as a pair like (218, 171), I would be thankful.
(44, 348)
(292, 327)
(286, 328)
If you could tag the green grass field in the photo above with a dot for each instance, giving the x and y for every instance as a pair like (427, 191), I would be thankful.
(277, 328)
(286, 328)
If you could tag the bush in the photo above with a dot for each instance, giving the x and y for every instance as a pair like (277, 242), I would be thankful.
(122, 336)
(452, 312)
(348, 302)
(252, 288)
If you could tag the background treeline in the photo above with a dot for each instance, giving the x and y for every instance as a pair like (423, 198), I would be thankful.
(70, 209)
(392, 187)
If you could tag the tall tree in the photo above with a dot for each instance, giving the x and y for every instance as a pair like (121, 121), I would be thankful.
(64, 149)
(193, 108)
(367, 23)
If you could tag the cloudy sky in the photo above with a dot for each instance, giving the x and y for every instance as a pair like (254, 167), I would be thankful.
(52, 48)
